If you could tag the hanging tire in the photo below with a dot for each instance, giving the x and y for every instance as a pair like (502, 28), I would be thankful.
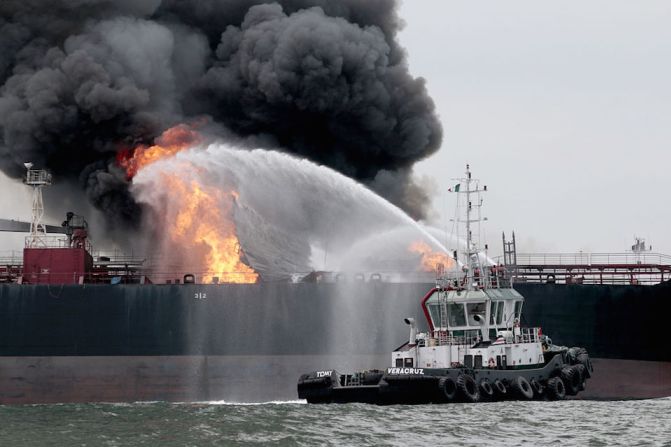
(583, 359)
(537, 387)
(556, 389)
(500, 388)
(468, 388)
(522, 388)
(486, 390)
(572, 380)
(571, 355)
(448, 387)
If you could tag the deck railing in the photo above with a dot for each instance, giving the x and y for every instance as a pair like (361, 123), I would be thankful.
(581, 258)
(626, 268)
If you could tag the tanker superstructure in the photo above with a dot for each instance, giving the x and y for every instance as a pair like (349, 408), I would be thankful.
(81, 326)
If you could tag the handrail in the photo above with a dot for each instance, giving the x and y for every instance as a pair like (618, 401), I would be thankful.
(582, 258)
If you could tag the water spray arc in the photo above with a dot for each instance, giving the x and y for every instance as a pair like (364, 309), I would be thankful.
(282, 204)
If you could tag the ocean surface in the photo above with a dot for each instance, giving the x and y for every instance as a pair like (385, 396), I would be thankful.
(584, 423)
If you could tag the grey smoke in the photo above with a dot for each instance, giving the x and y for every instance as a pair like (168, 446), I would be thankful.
(83, 79)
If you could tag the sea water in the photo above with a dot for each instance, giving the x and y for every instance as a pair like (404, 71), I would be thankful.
(583, 423)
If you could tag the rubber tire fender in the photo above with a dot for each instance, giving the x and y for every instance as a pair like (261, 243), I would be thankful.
(522, 388)
(468, 388)
(582, 372)
(537, 387)
(556, 389)
(500, 388)
(486, 390)
(583, 359)
(572, 380)
(448, 387)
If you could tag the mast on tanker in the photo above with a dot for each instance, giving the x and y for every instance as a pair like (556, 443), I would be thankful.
(37, 179)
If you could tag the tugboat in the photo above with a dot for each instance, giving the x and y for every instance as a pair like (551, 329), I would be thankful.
(475, 348)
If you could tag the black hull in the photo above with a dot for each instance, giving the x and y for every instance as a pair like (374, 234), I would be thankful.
(171, 344)
(618, 322)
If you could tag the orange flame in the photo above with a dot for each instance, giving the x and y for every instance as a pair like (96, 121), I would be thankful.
(432, 261)
(199, 219)
(170, 142)
(204, 223)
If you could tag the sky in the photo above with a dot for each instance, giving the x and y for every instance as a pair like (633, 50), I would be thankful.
(562, 108)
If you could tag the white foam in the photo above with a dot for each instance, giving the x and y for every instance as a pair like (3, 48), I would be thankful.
(272, 402)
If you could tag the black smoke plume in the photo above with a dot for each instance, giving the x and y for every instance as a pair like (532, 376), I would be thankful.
(83, 79)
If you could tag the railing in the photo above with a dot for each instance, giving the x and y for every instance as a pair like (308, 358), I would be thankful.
(50, 241)
(442, 338)
(528, 335)
(351, 379)
(517, 335)
(11, 257)
(580, 258)
(135, 271)
(592, 268)
(38, 177)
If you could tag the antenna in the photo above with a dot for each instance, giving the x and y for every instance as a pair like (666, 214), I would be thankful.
(37, 179)
(472, 187)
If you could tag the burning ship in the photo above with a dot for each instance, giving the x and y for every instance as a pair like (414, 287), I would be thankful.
(81, 327)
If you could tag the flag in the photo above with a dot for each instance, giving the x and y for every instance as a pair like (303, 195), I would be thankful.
(455, 188)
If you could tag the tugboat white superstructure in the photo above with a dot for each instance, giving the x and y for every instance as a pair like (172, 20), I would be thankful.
(475, 348)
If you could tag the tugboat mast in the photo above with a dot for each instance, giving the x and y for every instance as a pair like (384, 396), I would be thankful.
(471, 252)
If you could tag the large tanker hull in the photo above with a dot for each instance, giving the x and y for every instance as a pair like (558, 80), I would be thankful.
(250, 342)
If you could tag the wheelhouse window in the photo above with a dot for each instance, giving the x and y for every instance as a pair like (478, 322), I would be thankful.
(434, 312)
(474, 309)
(456, 315)
(518, 309)
(492, 312)
(499, 314)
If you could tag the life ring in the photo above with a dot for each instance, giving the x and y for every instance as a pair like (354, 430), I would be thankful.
(491, 363)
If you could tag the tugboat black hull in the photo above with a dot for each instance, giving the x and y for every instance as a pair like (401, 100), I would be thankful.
(558, 378)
